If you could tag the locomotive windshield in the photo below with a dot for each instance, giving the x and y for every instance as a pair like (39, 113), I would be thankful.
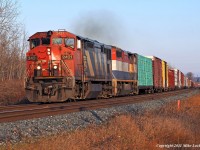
(36, 42)
(69, 42)
(45, 41)
(57, 40)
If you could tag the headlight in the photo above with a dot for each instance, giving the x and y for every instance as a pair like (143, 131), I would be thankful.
(55, 67)
(38, 67)
(48, 51)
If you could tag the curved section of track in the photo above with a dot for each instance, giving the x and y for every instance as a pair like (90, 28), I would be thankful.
(29, 111)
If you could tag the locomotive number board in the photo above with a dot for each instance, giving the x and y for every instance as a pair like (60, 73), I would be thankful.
(31, 58)
(66, 57)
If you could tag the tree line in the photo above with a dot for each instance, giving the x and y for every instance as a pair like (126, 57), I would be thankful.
(13, 44)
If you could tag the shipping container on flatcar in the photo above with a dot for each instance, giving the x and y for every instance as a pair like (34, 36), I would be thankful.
(165, 75)
(124, 72)
(157, 73)
(171, 79)
(145, 74)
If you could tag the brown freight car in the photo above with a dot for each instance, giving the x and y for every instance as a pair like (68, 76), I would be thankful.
(171, 79)
(157, 73)
(182, 80)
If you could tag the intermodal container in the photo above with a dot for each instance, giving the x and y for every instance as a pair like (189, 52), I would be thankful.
(145, 72)
(165, 75)
(171, 79)
(157, 73)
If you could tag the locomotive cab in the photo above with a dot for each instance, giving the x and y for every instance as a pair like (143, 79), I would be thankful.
(50, 66)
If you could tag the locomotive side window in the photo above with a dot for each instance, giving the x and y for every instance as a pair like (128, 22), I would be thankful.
(45, 41)
(69, 42)
(119, 54)
(89, 45)
(35, 43)
(57, 40)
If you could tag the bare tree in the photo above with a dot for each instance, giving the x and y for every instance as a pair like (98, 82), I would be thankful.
(190, 75)
(12, 42)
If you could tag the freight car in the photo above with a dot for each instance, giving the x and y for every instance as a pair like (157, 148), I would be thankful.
(61, 65)
(165, 75)
(171, 79)
(157, 73)
(145, 74)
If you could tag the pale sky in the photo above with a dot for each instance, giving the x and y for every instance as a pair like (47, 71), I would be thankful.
(168, 29)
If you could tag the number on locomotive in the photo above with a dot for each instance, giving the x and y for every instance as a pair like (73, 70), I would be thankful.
(66, 57)
(31, 58)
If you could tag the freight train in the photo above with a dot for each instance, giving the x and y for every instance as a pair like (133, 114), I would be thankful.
(63, 66)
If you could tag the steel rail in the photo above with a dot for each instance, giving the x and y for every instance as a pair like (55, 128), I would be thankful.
(36, 111)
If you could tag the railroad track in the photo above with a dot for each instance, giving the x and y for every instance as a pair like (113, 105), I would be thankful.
(29, 111)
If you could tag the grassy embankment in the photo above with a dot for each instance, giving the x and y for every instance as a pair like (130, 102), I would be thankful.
(162, 126)
(11, 92)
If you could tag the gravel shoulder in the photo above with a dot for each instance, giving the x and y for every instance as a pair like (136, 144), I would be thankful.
(17, 131)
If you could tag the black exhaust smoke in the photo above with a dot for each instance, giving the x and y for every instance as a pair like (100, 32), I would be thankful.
(102, 26)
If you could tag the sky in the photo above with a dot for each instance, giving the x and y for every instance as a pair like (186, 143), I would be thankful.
(168, 29)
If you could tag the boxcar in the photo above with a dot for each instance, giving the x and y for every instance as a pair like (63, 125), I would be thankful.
(189, 83)
(179, 79)
(176, 78)
(145, 74)
(165, 75)
(182, 80)
(157, 73)
(185, 82)
(171, 79)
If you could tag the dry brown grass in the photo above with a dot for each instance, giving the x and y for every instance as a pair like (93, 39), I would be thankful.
(11, 92)
(163, 126)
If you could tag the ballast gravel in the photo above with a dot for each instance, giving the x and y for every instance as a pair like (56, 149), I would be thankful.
(17, 131)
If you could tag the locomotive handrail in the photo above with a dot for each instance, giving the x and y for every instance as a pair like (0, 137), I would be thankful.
(29, 70)
(66, 68)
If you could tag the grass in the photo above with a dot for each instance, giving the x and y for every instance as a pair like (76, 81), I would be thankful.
(166, 125)
(11, 92)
